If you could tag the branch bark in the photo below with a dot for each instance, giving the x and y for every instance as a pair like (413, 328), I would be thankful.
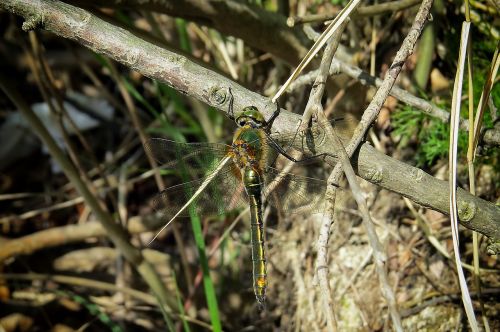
(259, 28)
(491, 136)
(58, 236)
(191, 78)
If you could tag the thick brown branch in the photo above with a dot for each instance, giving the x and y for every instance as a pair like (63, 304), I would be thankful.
(211, 88)
(259, 28)
(378, 9)
(58, 236)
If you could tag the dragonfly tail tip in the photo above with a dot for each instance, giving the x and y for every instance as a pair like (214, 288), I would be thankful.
(261, 301)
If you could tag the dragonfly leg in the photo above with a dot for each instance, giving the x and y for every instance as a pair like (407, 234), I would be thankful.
(280, 150)
(230, 106)
(269, 123)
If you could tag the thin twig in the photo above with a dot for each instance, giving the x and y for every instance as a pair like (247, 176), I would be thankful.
(373, 109)
(94, 284)
(373, 10)
(363, 77)
(314, 106)
(115, 232)
(369, 116)
(378, 252)
(211, 88)
(132, 111)
(54, 100)
(58, 236)
(429, 301)
(320, 42)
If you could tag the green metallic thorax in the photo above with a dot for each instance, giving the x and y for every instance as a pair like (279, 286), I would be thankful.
(249, 148)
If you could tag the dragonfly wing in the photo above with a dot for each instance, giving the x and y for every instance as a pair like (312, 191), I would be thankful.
(203, 156)
(314, 135)
(293, 193)
(223, 193)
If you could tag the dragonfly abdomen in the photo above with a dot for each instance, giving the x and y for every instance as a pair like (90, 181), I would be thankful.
(253, 186)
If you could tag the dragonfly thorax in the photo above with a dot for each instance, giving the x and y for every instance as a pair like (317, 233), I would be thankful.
(249, 149)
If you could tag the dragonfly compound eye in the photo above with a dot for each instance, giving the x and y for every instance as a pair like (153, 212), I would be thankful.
(250, 116)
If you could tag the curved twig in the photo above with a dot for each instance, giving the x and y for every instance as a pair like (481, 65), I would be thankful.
(211, 88)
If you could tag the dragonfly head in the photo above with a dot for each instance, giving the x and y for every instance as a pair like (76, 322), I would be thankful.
(251, 117)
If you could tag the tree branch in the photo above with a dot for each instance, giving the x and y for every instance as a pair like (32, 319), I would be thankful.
(491, 136)
(194, 80)
(113, 230)
(261, 29)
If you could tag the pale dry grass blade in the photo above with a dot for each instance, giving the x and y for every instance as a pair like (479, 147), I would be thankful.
(454, 122)
(202, 187)
(475, 122)
(488, 85)
(325, 36)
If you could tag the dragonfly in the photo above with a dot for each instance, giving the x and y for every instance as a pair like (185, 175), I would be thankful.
(230, 177)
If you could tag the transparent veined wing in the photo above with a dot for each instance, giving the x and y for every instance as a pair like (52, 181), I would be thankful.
(193, 158)
(294, 194)
(221, 192)
(199, 165)
(314, 136)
